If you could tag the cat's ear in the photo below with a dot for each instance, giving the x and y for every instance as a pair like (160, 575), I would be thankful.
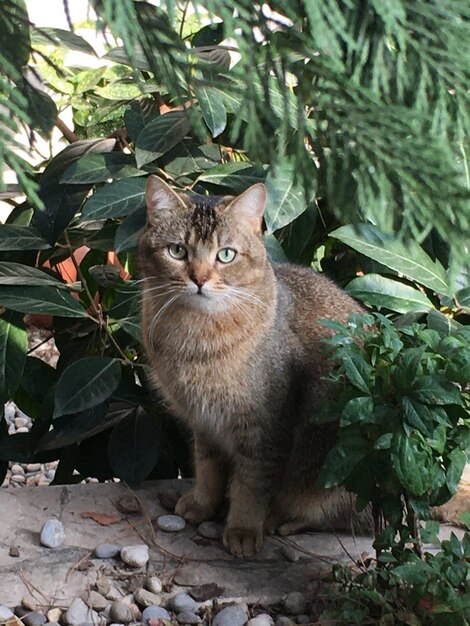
(159, 197)
(249, 206)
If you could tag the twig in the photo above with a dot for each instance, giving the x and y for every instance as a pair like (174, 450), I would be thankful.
(65, 130)
(31, 588)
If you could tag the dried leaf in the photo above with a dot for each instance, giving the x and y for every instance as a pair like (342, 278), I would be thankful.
(101, 518)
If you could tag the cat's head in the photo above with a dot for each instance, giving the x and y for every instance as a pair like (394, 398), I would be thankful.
(206, 250)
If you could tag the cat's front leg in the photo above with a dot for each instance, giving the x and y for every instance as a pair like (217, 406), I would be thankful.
(249, 499)
(202, 502)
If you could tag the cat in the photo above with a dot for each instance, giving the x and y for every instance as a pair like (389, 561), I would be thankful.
(236, 349)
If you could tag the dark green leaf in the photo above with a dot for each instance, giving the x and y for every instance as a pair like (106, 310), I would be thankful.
(13, 237)
(134, 447)
(357, 410)
(17, 448)
(213, 109)
(41, 108)
(86, 383)
(457, 461)
(78, 427)
(286, 200)
(416, 415)
(189, 158)
(357, 370)
(209, 35)
(436, 390)
(105, 275)
(130, 230)
(115, 199)
(98, 168)
(160, 135)
(412, 463)
(343, 458)
(18, 274)
(41, 300)
(61, 202)
(444, 325)
(237, 176)
(408, 259)
(119, 55)
(138, 115)
(60, 37)
(274, 249)
(126, 302)
(13, 348)
(383, 292)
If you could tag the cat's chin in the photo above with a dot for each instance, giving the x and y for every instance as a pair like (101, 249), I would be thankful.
(207, 302)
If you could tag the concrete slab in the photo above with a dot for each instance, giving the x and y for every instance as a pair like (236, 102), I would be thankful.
(183, 559)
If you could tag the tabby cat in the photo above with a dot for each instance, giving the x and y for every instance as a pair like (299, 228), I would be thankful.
(236, 349)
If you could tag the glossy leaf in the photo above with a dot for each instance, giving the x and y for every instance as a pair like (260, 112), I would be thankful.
(189, 158)
(64, 38)
(47, 300)
(412, 463)
(41, 107)
(18, 274)
(434, 390)
(86, 383)
(160, 135)
(13, 349)
(119, 198)
(213, 109)
(274, 249)
(138, 115)
(408, 259)
(209, 35)
(98, 168)
(286, 200)
(382, 292)
(130, 230)
(237, 176)
(134, 447)
(343, 459)
(13, 237)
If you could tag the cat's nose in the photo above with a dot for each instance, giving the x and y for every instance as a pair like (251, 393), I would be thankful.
(199, 280)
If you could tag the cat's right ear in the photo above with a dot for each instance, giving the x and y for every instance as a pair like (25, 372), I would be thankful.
(159, 197)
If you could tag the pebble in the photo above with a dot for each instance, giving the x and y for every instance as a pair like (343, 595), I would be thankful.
(9, 412)
(17, 469)
(261, 620)
(120, 612)
(79, 613)
(21, 422)
(284, 621)
(33, 467)
(54, 615)
(103, 586)
(53, 534)
(146, 598)
(18, 478)
(182, 602)
(188, 617)
(135, 556)
(153, 584)
(168, 498)
(290, 553)
(154, 613)
(231, 616)
(95, 601)
(294, 603)
(34, 619)
(171, 523)
(210, 530)
(23, 429)
(107, 550)
(113, 594)
(5, 613)
(303, 619)
(28, 602)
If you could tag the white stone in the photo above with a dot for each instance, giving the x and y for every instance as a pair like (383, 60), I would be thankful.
(135, 556)
(53, 534)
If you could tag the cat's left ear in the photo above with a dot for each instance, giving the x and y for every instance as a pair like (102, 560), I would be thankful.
(250, 205)
(159, 197)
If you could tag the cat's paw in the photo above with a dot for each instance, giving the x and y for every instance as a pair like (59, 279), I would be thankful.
(193, 511)
(243, 541)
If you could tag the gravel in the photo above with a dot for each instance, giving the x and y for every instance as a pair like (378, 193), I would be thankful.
(235, 615)
(171, 523)
(52, 533)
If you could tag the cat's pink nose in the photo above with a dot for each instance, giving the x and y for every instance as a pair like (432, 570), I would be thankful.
(200, 280)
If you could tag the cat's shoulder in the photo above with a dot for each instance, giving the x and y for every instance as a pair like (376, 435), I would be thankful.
(304, 280)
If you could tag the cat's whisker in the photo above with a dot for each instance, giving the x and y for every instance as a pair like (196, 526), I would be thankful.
(157, 316)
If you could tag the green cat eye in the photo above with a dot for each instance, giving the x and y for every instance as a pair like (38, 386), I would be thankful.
(177, 251)
(226, 255)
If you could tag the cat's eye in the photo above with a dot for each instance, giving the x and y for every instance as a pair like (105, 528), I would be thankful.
(226, 255)
(177, 251)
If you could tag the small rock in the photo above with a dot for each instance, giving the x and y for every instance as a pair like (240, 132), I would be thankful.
(53, 534)
(284, 621)
(171, 523)
(28, 602)
(17, 469)
(135, 556)
(21, 422)
(33, 467)
(95, 600)
(107, 550)
(207, 591)
(146, 598)
(18, 478)
(294, 603)
(182, 602)
(210, 530)
(303, 619)
(188, 617)
(154, 613)
(35, 618)
(103, 586)
(235, 615)
(290, 553)
(153, 584)
(9, 412)
(14, 551)
(54, 615)
(113, 594)
(120, 612)
(52, 624)
(20, 611)
(261, 620)
(79, 612)
(5, 613)
(128, 504)
(168, 498)
(22, 429)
